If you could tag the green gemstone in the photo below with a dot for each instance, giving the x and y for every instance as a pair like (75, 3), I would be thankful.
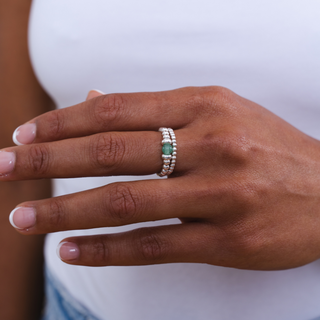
(167, 148)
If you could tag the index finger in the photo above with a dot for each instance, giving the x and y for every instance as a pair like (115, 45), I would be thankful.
(115, 112)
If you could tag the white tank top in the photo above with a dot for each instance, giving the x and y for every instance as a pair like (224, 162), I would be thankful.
(267, 51)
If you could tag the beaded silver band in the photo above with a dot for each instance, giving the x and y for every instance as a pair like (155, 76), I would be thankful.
(169, 151)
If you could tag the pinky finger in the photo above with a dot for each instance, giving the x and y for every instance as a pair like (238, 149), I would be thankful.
(189, 242)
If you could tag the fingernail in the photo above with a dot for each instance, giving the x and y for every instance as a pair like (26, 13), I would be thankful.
(68, 251)
(24, 134)
(22, 217)
(99, 91)
(94, 93)
(7, 162)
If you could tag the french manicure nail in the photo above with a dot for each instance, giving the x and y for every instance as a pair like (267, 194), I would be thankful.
(24, 134)
(7, 162)
(22, 217)
(93, 94)
(99, 91)
(68, 251)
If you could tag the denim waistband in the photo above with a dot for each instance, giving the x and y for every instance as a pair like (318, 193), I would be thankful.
(60, 304)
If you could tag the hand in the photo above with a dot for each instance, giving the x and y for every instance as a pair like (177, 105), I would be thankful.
(246, 186)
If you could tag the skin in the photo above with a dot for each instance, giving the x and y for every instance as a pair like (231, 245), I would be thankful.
(246, 186)
(21, 98)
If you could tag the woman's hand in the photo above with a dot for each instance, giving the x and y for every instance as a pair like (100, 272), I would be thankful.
(246, 184)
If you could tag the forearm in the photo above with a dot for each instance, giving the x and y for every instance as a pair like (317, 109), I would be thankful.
(21, 98)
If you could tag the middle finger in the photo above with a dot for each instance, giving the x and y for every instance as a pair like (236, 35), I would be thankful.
(117, 204)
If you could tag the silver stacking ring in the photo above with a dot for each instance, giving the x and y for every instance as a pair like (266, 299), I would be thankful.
(169, 151)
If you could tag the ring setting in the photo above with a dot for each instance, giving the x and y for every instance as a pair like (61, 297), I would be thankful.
(169, 151)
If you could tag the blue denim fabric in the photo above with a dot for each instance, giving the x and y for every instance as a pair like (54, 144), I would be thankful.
(60, 305)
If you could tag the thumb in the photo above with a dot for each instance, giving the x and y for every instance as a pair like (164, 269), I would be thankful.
(94, 93)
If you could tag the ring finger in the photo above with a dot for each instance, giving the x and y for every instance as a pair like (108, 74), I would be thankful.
(104, 154)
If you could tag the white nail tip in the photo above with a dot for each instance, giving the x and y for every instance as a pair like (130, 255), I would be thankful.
(99, 91)
(58, 248)
(11, 217)
(14, 137)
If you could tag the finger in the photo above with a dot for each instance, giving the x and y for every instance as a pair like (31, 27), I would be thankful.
(192, 242)
(121, 204)
(115, 112)
(105, 154)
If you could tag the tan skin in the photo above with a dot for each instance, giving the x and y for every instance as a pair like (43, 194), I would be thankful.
(21, 290)
(246, 185)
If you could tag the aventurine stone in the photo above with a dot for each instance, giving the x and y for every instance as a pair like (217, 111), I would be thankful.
(167, 148)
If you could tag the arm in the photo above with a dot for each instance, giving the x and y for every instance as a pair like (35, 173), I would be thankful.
(21, 97)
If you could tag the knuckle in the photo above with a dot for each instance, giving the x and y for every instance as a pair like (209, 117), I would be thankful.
(220, 93)
(243, 240)
(55, 124)
(124, 204)
(151, 247)
(199, 101)
(108, 108)
(55, 214)
(99, 252)
(107, 150)
(39, 158)
(212, 101)
(219, 101)
(251, 246)
(219, 96)
(195, 101)
(231, 147)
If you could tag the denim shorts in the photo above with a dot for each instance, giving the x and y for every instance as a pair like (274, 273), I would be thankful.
(60, 305)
